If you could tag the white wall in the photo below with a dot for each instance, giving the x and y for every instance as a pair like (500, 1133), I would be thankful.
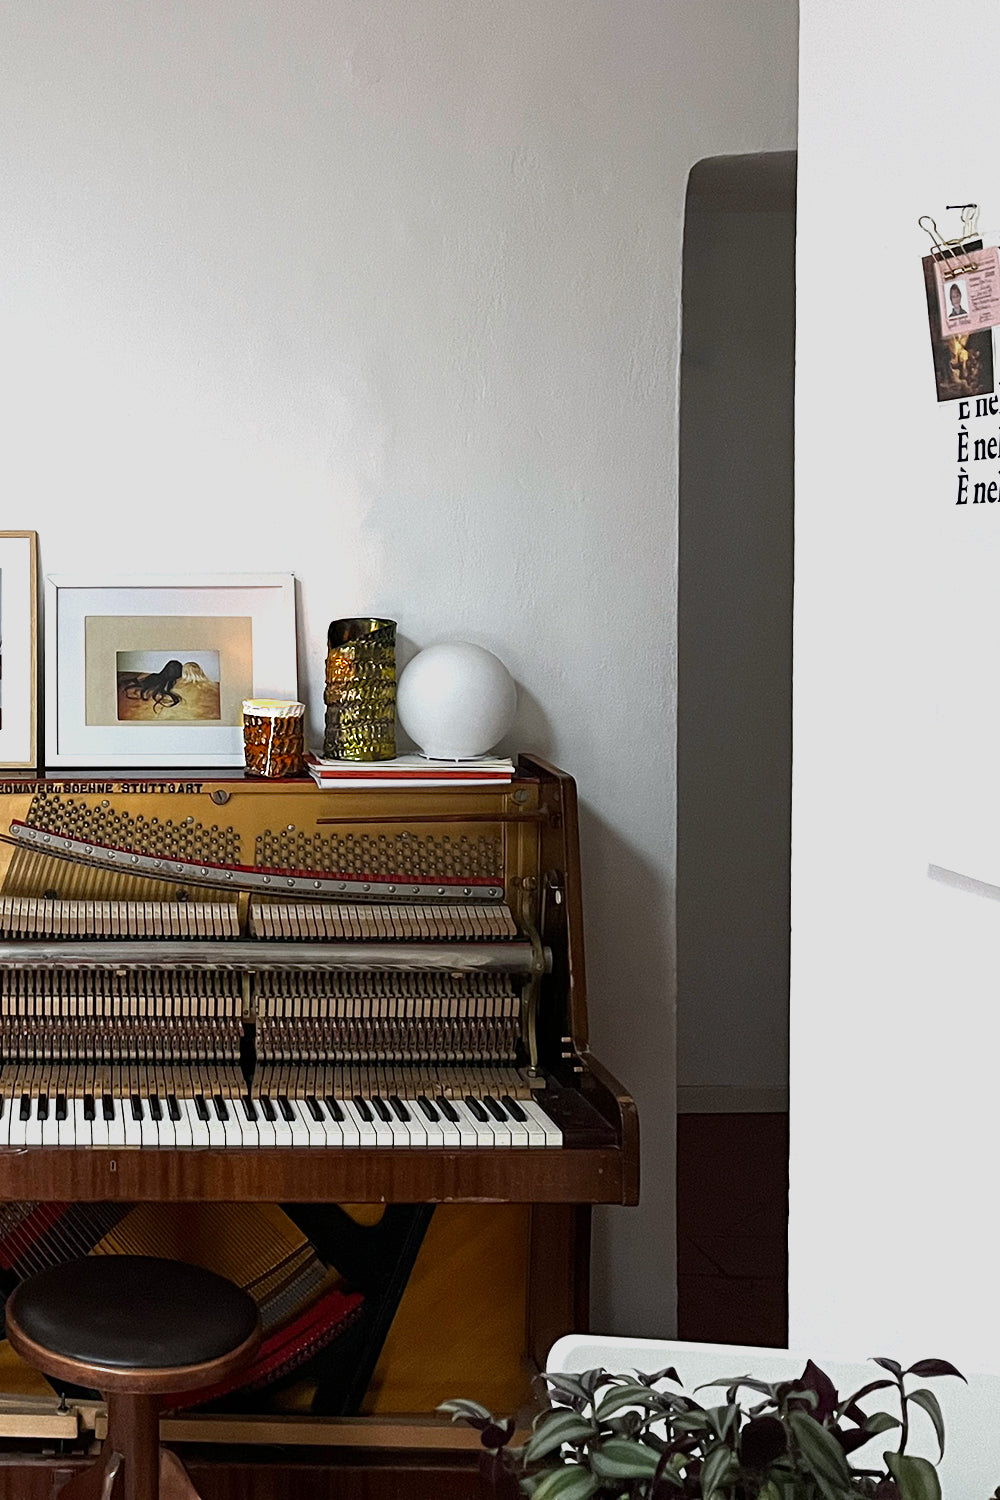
(895, 1022)
(387, 294)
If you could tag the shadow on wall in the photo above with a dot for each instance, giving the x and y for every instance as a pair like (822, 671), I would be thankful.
(631, 1032)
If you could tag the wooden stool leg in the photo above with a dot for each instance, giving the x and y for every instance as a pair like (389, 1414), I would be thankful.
(134, 1432)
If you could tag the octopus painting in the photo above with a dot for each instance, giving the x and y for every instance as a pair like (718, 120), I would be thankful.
(157, 687)
(162, 686)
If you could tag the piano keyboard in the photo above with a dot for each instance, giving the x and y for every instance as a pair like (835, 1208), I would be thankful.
(114, 1121)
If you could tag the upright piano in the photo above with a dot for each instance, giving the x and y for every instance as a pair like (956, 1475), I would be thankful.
(331, 1042)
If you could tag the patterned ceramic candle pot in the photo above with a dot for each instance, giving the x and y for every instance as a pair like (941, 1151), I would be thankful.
(273, 737)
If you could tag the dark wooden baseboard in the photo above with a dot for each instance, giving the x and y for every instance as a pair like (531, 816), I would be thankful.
(278, 1476)
(732, 1228)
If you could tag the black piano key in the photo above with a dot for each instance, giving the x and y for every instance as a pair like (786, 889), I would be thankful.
(135, 1103)
(107, 1106)
(476, 1110)
(312, 1105)
(287, 1112)
(89, 1107)
(201, 1108)
(221, 1108)
(24, 1112)
(155, 1108)
(494, 1109)
(363, 1108)
(249, 1108)
(427, 1107)
(62, 1107)
(43, 1107)
(173, 1108)
(336, 1109)
(381, 1109)
(513, 1108)
(399, 1109)
(447, 1109)
(2, 1101)
(270, 1113)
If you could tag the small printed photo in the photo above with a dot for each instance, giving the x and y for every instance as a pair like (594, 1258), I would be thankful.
(963, 362)
(179, 687)
(957, 294)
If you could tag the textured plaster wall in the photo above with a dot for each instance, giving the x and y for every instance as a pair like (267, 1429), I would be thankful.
(388, 294)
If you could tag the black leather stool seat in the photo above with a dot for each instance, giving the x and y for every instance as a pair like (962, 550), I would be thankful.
(133, 1312)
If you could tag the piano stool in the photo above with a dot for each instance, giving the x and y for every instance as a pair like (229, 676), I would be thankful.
(139, 1330)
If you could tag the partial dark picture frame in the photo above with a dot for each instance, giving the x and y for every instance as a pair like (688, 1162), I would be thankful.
(18, 650)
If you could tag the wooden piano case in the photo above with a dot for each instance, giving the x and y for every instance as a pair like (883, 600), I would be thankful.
(493, 1255)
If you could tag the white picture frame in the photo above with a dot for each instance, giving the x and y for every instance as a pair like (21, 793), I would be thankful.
(112, 697)
(18, 650)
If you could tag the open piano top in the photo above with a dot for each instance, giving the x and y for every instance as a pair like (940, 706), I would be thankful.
(264, 990)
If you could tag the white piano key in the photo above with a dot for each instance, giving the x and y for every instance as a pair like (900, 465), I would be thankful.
(349, 1126)
(515, 1128)
(471, 1130)
(433, 1129)
(17, 1127)
(75, 1130)
(217, 1133)
(332, 1129)
(33, 1125)
(249, 1134)
(163, 1128)
(149, 1131)
(535, 1132)
(384, 1137)
(365, 1129)
(501, 1134)
(131, 1127)
(315, 1135)
(553, 1135)
(198, 1128)
(184, 1136)
(116, 1126)
(232, 1124)
(399, 1135)
(452, 1128)
(266, 1134)
(99, 1126)
(419, 1128)
(50, 1125)
(282, 1128)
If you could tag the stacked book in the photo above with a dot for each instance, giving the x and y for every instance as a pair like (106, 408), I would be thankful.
(409, 771)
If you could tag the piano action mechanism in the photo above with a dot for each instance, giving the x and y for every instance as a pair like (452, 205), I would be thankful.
(223, 990)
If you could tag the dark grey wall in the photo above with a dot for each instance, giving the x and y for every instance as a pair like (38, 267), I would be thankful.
(735, 632)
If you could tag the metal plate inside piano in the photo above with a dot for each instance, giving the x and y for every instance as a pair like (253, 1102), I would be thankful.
(464, 863)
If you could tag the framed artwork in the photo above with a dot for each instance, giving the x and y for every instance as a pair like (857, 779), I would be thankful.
(18, 649)
(152, 670)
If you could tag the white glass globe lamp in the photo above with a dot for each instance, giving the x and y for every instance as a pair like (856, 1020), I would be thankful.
(456, 700)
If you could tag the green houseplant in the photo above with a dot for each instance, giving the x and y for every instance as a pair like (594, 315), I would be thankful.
(638, 1437)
